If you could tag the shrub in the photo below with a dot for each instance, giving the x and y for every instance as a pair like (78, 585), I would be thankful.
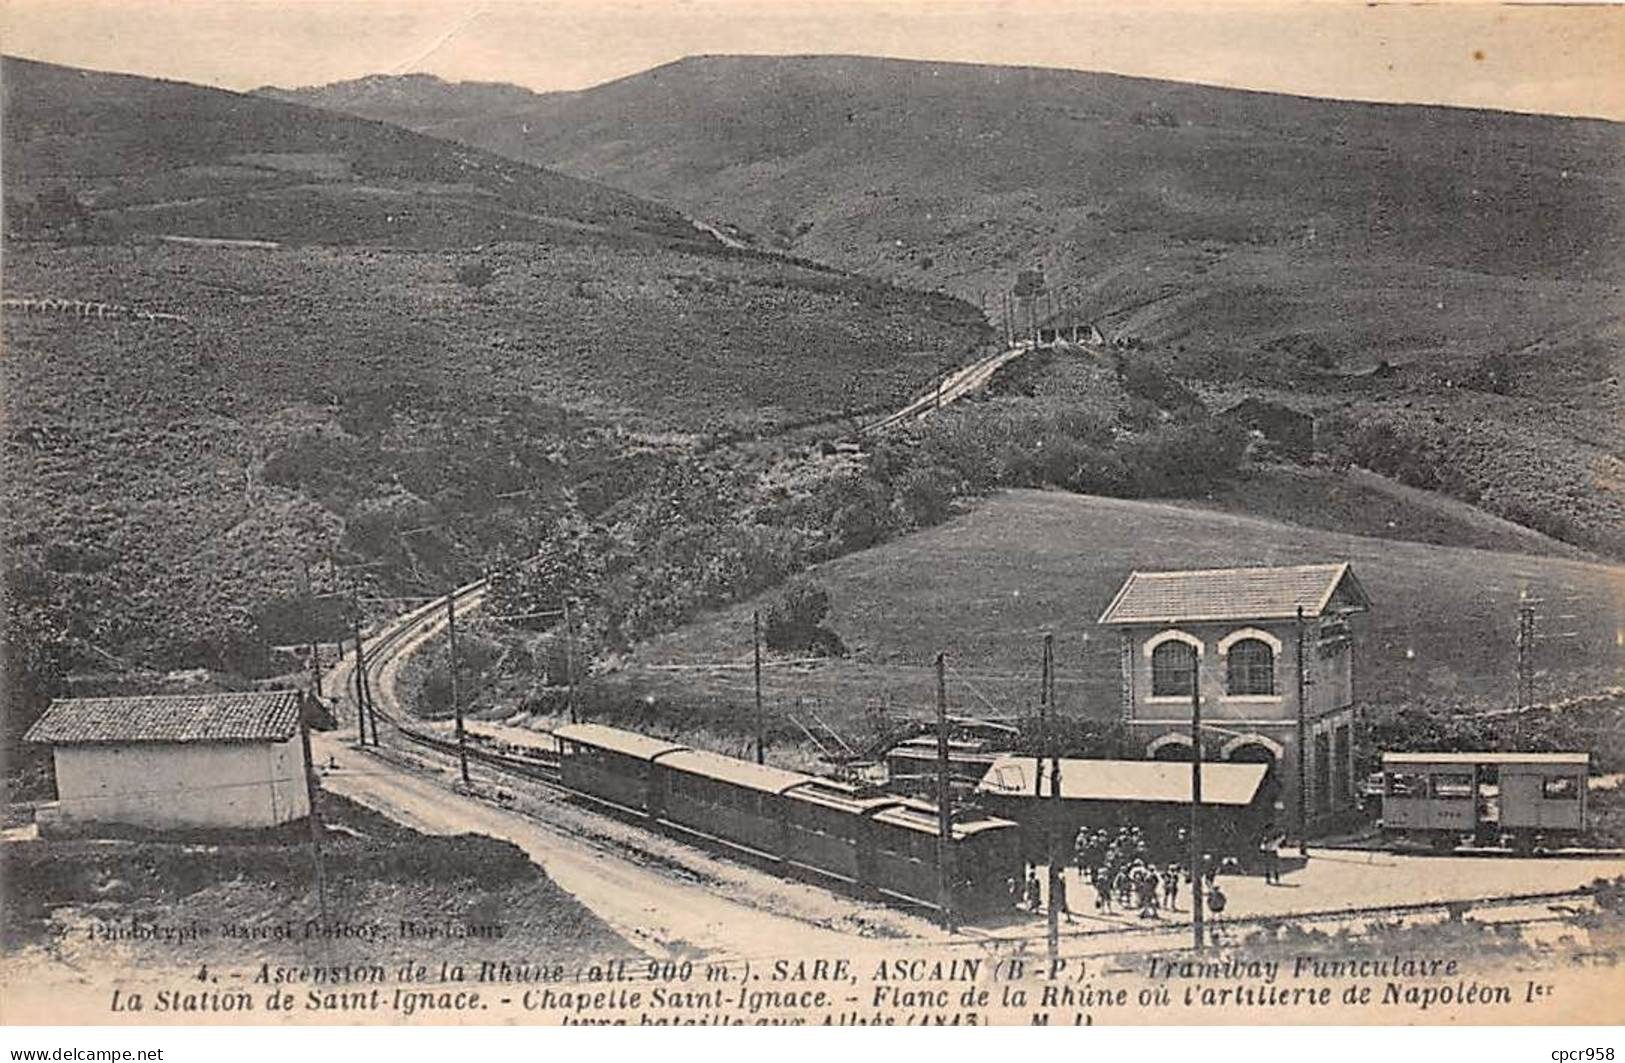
(475, 275)
(795, 620)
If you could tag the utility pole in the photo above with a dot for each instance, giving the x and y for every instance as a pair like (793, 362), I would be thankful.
(1303, 745)
(945, 815)
(756, 641)
(366, 684)
(1045, 698)
(569, 661)
(360, 676)
(310, 607)
(1526, 652)
(456, 700)
(315, 808)
(1196, 799)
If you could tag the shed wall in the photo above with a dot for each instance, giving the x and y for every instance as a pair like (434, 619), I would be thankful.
(168, 785)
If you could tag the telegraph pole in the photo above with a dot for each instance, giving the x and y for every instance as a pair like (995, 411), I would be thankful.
(456, 701)
(366, 682)
(569, 660)
(1526, 651)
(945, 815)
(1196, 799)
(310, 607)
(315, 808)
(360, 676)
(1045, 699)
(1303, 747)
(756, 641)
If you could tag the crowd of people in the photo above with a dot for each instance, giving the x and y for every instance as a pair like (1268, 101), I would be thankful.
(1126, 874)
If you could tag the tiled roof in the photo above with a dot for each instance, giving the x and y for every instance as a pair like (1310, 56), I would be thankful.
(254, 717)
(1149, 781)
(1232, 594)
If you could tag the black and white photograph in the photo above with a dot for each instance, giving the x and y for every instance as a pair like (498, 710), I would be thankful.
(851, 513)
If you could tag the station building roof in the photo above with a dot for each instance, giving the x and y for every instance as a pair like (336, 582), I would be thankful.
(1147, 781)
(1258, 593)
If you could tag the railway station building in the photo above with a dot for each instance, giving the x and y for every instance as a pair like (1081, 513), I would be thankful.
(1252, 642)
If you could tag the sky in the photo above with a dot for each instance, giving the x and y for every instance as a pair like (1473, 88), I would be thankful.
(1548, 58)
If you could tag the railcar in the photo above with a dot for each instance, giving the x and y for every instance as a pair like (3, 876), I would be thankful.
(881, 844)
(985, 856)
(828, 832)
(1521, 800)
(731, 799)
(614, 765)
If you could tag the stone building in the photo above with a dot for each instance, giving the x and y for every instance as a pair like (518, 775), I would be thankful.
(1251, 639)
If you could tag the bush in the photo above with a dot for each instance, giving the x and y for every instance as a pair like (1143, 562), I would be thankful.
(794, 622)
(925, 496)
(475, 275)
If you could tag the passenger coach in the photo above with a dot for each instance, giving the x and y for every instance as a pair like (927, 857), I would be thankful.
(1523, 800)
(884, 844)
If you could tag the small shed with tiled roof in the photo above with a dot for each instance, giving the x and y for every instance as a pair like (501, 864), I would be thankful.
(1251, 642)
(171, 761)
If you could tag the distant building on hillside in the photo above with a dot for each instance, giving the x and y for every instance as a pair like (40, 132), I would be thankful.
(1238, 629)
(177, 761)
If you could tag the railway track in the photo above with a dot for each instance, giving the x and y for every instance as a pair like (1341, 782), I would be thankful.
(951, 388)
(542, 768)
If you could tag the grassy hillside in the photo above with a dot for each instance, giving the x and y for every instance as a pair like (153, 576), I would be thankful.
(985, 587)
(390, 414)
(1252, 240)
(160, 157)
(952, 175)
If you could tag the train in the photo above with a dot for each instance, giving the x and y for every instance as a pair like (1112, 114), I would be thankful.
(884, 845)
(1521, 801)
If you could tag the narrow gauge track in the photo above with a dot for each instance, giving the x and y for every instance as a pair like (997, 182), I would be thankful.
(543, 769)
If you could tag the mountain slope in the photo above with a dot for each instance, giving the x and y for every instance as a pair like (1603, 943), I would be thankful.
(445, 353)
(149, 156)
(1257, 242)
(417, 101)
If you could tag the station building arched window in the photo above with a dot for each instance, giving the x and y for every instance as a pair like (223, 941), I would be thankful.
(1251, 669)
(1173, 667)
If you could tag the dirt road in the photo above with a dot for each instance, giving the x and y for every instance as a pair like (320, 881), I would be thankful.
(673, 902)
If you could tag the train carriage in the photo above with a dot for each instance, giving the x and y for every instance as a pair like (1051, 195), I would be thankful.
(884, 842)
(728, 798)
(1521, 799)
(985, 855)
(828, 829)
(614, 765)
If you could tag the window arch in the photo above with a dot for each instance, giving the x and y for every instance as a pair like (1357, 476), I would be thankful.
(1251, 669)
(1173, 669)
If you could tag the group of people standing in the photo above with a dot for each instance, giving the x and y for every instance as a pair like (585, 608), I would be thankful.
(1123, 870)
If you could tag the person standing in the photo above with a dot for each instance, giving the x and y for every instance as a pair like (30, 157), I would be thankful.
(1170, 888)
(1269, 855)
